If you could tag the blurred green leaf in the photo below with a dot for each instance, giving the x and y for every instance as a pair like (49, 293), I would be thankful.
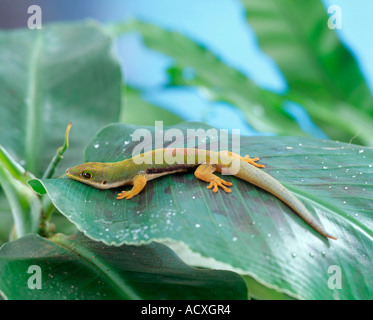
(6, 220)
(76, 267)
(62, 224)
(136, 110)
(249, 230)
(25, 205)
(13, 167)
(196, 66)
(321, 73)
(49, 77)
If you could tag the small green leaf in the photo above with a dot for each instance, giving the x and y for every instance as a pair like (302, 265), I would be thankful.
(37, 186)
(76, 267)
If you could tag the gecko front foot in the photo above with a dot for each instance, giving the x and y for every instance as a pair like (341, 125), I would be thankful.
(139, 182)
(125, 194)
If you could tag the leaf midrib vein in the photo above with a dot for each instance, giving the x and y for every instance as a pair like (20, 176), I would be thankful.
(32, 139)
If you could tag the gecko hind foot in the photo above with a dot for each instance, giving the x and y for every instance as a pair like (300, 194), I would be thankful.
(217, 182)
(252, 161)
(205, 173)
(246, 159)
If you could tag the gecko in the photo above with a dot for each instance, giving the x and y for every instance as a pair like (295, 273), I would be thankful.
(136, 171)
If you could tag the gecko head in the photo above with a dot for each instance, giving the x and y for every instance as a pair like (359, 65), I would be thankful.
(92, 174)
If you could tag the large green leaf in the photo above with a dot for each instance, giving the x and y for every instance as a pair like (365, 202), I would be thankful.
(196, 66)
(321, 73)
(49, 77)
(249, 231)
(78, 268)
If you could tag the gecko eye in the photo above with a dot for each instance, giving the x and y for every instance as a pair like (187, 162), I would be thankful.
(87, 175)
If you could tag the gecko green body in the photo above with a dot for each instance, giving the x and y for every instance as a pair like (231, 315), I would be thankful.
(142, 168)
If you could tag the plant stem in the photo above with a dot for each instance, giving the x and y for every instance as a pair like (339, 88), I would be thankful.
(48, 208)
(58, 156)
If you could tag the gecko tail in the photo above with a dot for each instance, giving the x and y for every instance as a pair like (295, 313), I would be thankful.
(265, 181)
(329, 236)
